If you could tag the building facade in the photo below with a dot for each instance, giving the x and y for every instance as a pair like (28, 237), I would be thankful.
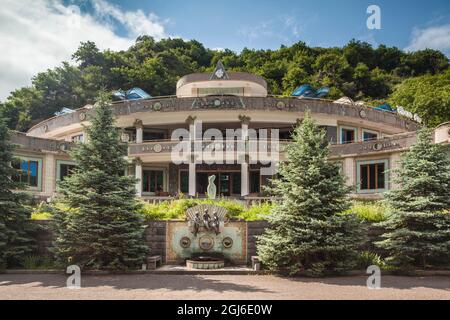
(365, 142)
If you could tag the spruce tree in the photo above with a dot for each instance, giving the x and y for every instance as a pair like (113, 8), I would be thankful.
(418, 228)
(15, 226)
(306, 230)
(101, 229)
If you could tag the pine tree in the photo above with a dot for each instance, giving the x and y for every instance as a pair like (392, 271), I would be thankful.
(101, 229)
(15, 226)
(418, 228)
(306, 230)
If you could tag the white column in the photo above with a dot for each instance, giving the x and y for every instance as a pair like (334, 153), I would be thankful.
(138, 176)
(244, 163)
(192, 155)
(244, 179)
(349, 171)
(139, 131)
(192, 178)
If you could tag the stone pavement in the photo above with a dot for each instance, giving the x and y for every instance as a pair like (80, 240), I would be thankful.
(199, 287)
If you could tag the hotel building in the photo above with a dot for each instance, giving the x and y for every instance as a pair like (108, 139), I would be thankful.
(365, 142)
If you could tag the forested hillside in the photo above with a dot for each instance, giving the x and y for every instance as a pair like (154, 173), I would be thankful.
(419, 81)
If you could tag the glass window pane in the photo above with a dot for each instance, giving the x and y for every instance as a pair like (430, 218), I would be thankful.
(364, 177)
(381, 180)
(159, 181)
(367, 136)
(348, 135)
(146, 181)
(33, 173)
(184, 181)
(254, 181)
(236, 183)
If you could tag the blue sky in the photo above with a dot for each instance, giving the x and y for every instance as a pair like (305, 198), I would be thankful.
(265, 24)
(39, 34)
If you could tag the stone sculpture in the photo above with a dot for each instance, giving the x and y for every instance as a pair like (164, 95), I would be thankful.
(212, 190)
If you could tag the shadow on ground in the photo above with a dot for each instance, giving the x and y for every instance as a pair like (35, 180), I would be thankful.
(130, 282)
(393, 282)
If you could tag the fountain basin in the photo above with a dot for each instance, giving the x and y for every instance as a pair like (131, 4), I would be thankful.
(205, 263)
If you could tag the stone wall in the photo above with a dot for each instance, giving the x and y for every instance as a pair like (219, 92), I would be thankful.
(156, 237)
(254, 228)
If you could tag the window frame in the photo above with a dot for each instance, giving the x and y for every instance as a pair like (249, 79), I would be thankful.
(39, 171)
(58, 167)
(77, 138)
(360, 163)
(355, 131)
(164, 173)
(363, 130)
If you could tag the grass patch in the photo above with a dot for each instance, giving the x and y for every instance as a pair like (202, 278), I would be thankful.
(370, 211)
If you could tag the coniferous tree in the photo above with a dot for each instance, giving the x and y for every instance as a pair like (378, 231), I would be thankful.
(101, 229)
(15, 227)
(418, 228)
(306, 230)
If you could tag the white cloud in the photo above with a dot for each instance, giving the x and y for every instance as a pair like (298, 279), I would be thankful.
(435, 37)
(39, 34)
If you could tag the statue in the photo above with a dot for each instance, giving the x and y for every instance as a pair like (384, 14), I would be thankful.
(200, 220)
(206, 220)
(215, 223)
(197, 222)
(211, 187)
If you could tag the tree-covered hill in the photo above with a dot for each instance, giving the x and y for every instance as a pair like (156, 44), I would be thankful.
(357, 70)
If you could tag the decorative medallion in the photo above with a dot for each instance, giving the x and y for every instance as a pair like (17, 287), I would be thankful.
(157, 148)
(362, 113)
(377, 146)
(219, 72)
(217, 103)
(227, 242)
(45, 128)
(206, 242)
(82, 116)
(185, 242)
(157, 106)
(281, 105)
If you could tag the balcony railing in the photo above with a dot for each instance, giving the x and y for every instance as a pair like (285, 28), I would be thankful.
(392, 143)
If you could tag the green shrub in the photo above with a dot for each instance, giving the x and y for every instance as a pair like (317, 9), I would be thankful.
(38, 262)
(367, 258)
(44, 211)
(176, 209)
(371, 211)
(257, 212)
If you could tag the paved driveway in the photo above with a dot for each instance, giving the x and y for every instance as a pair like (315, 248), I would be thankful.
(50, 286)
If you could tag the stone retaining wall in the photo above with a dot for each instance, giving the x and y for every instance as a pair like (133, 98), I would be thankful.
(156, 237)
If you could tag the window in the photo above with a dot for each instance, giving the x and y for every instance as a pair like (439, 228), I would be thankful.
(184, 182)
(236, 177)
(348, 135)
(254, 181)
(64, 169)
(285, 135)
(153, 135)
(28, 171)
(372, 176)
(78, 138)
(368, 135)
(153, 181)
